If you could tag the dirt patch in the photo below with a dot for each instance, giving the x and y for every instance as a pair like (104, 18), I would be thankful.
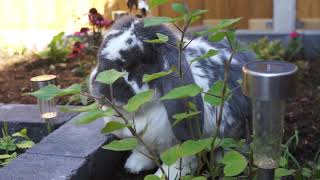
(15, 79)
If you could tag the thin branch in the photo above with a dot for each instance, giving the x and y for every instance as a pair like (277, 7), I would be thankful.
(179, 29)
(181, 45)
(172, 45)
(189, 43)
(223, 99)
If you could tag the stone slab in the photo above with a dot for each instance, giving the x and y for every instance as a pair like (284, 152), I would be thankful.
(21, 116)
(73, 140)
(44, 167)
(69, 153)
(28, 113)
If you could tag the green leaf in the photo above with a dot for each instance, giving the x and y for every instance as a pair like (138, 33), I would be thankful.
(226, 23)
(199, 178)
(180, 8)
(170, 156)
(216, 37)
(46, 93)
(228, 143)
(209, 54)
(122, 145)
(231, 35)
(152, 177)
(51, 91)
(148, 78)
(113, 126)
(306, 172)
(182, 116)
(80, 109)
(190, 90)
(188, 177)
(154, 3)
(138, 100)
(280, 172)
(195, 19)
(198, 12)
(191, 106)
(161, 39)
(73, 89)
(283, 162)
(22, 133)
(214, 94)
(92, 115)
(5, 156)
(25, 144)
(109, 76)
(154, 21)
(235, 163)
(191, 147)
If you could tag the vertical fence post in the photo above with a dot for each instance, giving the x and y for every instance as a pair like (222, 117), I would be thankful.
(284, 15)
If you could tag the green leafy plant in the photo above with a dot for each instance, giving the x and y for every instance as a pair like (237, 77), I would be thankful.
(10, 145)
(268, 50)
(57, 50)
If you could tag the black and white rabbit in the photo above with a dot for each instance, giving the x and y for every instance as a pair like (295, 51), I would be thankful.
(124, 49)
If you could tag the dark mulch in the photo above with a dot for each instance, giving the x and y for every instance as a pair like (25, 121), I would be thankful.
(15, 79)
(303, 112)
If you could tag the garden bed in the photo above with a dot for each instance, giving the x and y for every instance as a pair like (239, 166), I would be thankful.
(15, 78)
(303, 112)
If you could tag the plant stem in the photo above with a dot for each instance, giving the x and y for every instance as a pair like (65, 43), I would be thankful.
(181, 45)
(48, 126)
(216, 132)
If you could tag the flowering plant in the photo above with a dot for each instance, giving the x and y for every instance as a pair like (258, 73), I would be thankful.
(294, 46)
(77, 51)
(97, 20)
(87, 42)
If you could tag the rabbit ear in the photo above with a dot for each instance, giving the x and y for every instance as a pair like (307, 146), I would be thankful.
(186, 129)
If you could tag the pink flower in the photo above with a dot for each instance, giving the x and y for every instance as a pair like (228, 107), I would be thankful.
(294, 35)
(78, 34)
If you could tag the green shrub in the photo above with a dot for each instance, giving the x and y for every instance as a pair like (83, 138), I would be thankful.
(268, 50)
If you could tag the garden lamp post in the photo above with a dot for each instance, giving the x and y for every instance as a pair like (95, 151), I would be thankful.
(48, 109)
(268, 84)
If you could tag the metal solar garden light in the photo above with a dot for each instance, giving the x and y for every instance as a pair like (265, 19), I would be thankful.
(268, 84)
(48, 109)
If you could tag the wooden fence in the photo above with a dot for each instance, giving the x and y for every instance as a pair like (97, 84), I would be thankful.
(247, 9)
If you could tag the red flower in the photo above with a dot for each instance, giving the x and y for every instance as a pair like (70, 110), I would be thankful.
(78, 45)
(77, 50)
(294, 35)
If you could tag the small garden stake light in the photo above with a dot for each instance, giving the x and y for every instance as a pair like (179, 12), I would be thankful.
(48, 109)
(268, 84)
